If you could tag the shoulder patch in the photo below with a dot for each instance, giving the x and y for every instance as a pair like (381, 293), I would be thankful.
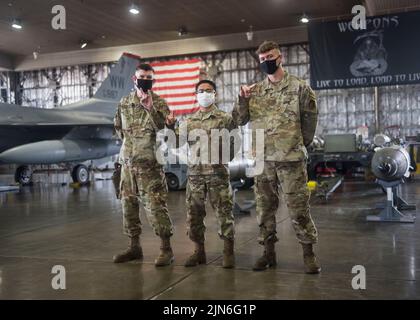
(124, 99)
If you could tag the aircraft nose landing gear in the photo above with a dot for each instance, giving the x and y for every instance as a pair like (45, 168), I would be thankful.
(23, 175)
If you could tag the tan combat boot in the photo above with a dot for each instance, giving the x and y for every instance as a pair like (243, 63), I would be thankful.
(268, 258)
(228, 255)
(309, 258)
(166, 256)
(198, 257)
(133, 252)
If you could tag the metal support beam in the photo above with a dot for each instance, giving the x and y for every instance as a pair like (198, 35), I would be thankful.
(376, 107)
(6, 62)
(16, 86)
(227, 42)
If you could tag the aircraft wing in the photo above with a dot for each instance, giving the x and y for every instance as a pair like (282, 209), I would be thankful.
(77, 132)
(12, 115)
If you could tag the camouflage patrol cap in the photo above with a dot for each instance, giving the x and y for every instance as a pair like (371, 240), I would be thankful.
(145, 67)
(267, 46)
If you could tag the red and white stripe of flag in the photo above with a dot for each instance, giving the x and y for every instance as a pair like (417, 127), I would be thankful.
(175, 82)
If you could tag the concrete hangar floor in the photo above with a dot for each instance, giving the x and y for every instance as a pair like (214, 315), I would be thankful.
(80, 229)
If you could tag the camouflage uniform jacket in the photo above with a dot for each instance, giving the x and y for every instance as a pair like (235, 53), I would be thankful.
(214, 118)
(137, 127)
(287, 112)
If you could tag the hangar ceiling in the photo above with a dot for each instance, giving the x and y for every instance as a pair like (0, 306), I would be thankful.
(107, 23)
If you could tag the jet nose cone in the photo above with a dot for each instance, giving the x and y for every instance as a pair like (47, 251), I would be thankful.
(12, 156)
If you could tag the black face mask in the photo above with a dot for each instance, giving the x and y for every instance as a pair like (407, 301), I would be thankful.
(144, 84)
(269, 66)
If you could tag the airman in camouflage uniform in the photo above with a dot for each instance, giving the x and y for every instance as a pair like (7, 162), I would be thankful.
(209, 179)
(139, 116)
(285, 107)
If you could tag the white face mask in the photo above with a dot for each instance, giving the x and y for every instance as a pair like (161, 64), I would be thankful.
(206, 99)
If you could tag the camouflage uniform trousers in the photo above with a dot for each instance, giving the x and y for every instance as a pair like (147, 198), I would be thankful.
(145, 185)
(291, 178)
(218, 188)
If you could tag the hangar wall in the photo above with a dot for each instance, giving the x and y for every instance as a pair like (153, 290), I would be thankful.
(54, 87)
(5, 91)
(341, 111)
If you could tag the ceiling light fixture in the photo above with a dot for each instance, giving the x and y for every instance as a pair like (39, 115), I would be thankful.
(250, 34)
(83, 44)
(17, 24)
(36, 52)
(182, 31)
(304, 19)
(134, 9)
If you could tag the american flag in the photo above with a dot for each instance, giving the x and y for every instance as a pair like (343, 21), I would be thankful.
(175, 82)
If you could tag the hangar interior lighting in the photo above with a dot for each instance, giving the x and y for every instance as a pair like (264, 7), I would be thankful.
(17, 24)
(182, 31)
(304, 19)
(250, 34)
(134, 9)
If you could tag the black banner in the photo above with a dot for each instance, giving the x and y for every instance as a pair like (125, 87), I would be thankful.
(387, 52)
